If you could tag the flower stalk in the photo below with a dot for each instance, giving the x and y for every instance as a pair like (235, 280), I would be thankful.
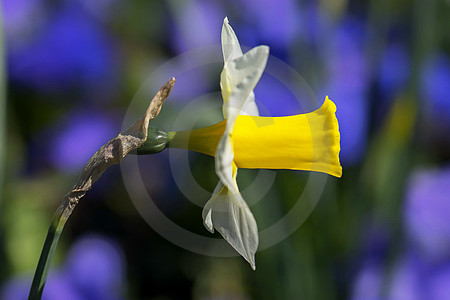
(109, 154)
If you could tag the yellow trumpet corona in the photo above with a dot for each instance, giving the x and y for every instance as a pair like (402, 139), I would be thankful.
(308, 142)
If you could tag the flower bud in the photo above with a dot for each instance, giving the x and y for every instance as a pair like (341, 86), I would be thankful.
(156, 142)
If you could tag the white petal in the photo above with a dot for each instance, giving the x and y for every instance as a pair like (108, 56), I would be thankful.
(206, 214)
(227, 211)
(231, 216)
(230, 44)
(232, 51)
(239, 78)
(218, 187)
(250, 108)
(246, 70)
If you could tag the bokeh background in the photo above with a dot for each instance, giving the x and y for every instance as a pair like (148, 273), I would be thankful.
(382, 231)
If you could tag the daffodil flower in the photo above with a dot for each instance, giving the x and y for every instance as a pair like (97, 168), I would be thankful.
(246, 140)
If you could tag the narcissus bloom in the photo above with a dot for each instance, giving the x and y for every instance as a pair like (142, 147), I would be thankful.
(246, 140)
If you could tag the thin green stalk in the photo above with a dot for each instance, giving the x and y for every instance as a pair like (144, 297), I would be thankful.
(2, 130)
(2, 108)
(51, 241)
(109, 154)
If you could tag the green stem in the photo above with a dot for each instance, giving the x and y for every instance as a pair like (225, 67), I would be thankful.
(109, 154)
(2, 108)
(51, 241)
(2, 136)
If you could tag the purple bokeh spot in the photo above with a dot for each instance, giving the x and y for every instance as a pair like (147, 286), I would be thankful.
(79, 137)
(351, 113)
(58, 287)
(394, 70)
(274, 99)
(406, 282)
(16, 289)
(427, 210)
(414, 278)
(20, 20)
(95, 267)
(315, 21)
(101, 9)
(347, 87)
(439, 283)
(196, 24)
(15, 12)
(435, 81)
(368, 283)
(190, 84)
(94, 271)
(71, 50)
(271, 22)
(345, 58)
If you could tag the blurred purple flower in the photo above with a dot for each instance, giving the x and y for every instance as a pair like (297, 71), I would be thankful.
(274, 99)
(348, 86)
(394, 70)
(434, 88)
(271, 22)
(191, 84)
(196, 23)
(101, 9)
(406, 282)
(80, 135)
(368, 283)
(438, 284)
(95, 267)
(315, 23)
(427, 209)
(71, 50)
(16, 289)
(21, 18)
(415, 279)
(16, 12)
(94, 271)
(58, 287)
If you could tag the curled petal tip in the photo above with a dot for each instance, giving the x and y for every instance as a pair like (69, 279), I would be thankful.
(207, 219)
(209, 227)
(252, 263)
(265, 49)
